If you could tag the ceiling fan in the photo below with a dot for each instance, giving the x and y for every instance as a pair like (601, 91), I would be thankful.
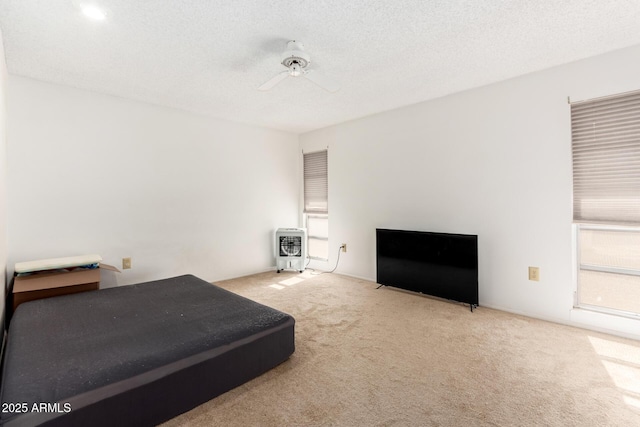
(297, 60)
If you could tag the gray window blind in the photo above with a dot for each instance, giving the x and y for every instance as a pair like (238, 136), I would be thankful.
(605, 135)
(315, 182)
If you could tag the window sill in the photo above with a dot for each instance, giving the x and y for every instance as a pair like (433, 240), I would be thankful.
(608, 323)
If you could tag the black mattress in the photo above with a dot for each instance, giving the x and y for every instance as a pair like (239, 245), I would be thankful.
(135, 355)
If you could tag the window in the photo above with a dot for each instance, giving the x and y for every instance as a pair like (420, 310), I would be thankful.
(606, 202)
(609, 269)
(316, 206)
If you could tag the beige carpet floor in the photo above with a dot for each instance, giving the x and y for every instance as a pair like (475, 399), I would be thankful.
(367, 357)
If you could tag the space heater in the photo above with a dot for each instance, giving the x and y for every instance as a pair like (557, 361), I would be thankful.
(291, 249)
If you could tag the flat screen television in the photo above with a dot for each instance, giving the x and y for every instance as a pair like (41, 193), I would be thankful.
(439, 264)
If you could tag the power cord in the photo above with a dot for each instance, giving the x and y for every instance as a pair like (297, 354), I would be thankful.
(334, 268)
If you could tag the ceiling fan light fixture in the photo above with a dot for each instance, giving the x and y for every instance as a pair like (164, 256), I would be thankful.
(295, 70)
(296, 60)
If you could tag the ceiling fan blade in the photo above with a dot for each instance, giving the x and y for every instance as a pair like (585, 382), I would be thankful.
(323, 81)
(274, 81)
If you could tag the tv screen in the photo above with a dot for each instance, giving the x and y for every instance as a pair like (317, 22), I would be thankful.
(439, 264)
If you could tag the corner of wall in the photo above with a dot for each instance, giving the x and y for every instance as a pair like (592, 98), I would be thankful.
(3, 180)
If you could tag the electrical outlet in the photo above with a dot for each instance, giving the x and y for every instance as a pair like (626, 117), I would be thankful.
(126, 263)
(344, 247)
(534, 274)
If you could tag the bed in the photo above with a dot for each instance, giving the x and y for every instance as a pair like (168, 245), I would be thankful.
(135, 355)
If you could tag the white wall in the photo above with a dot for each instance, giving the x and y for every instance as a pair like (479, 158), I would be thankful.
(494, 161)
(3, 180)
(178, 192)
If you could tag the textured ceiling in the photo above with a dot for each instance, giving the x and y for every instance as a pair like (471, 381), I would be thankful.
(210, 56)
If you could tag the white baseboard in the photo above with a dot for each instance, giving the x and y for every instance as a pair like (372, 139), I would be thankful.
(367, 279)
(584, 319)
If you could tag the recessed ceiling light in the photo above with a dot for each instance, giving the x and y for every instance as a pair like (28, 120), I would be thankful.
(94, 13)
